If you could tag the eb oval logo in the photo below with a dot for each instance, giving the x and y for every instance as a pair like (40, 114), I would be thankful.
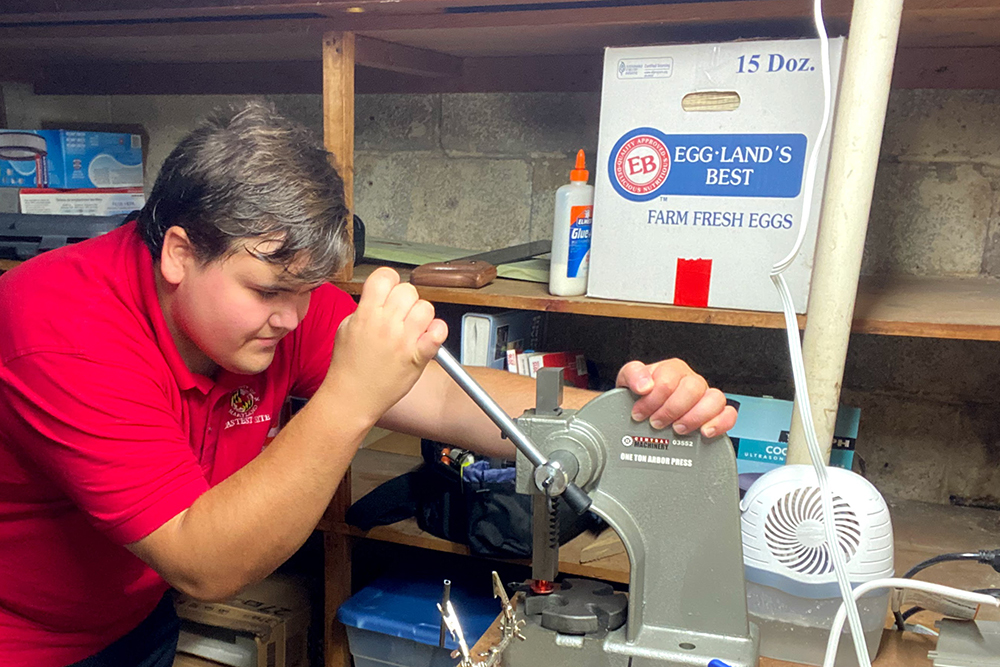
(639, 164)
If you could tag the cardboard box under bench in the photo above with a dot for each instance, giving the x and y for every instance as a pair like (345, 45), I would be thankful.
(267, 625)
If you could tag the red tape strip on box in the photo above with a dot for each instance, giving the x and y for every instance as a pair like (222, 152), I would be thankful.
(692, 282)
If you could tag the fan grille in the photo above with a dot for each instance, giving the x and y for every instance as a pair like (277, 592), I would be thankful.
(798, 514)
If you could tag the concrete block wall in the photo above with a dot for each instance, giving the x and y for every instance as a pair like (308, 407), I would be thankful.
(936, 209)
(480, 171)
(472, 171)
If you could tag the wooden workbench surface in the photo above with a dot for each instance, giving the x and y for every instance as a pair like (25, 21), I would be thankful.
(898, 649)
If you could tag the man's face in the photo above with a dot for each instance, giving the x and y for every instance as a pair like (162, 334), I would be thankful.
(235, 310)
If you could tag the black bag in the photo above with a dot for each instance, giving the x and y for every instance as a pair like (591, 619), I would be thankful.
(460, 499)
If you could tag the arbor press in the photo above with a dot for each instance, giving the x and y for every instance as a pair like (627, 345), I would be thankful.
(672, 499)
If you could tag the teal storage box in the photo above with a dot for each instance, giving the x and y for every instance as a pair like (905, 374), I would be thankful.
(760, 436)
(395, 621)
(69, 159)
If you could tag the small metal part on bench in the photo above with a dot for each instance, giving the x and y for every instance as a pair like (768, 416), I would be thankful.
(967, 644)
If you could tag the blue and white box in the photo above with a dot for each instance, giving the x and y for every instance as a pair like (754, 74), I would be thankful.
(760, 436)
(700, 172)
(487, 337)
(69, 159)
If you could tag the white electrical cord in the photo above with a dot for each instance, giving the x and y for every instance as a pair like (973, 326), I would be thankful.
(795, 352)
(813, 164)
(936, 589)
(849, 606)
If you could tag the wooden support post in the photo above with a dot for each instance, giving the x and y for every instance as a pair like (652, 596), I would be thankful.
(336, 577)
(336, 590)
(338, 132)
(338, 115)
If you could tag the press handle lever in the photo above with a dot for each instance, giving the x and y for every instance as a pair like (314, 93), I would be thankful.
(574, 495)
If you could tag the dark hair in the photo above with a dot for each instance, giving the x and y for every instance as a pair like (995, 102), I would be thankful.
(252, 174)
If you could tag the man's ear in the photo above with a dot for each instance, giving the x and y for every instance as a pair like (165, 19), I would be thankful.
(177, 256)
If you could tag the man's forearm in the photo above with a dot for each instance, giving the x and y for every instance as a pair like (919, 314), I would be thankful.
(438, 408)
(239, 531)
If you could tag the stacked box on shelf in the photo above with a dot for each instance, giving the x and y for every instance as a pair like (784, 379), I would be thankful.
(97, 201)
(69, 159)
(760, 436)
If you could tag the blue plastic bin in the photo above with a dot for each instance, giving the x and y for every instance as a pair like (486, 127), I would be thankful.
(395, 621)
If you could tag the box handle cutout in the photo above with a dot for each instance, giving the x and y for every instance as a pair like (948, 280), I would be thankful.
(711, 100)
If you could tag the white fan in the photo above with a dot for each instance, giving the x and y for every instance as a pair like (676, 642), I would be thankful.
(794, 531)
(791, 584)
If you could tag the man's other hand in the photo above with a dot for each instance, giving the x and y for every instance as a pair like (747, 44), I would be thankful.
(673, 394)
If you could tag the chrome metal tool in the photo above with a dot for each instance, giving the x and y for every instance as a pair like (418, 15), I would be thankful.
(510, 629)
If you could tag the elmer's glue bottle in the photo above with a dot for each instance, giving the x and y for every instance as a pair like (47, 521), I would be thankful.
(571, 233)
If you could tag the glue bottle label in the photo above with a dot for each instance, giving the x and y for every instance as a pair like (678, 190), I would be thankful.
(579, 239)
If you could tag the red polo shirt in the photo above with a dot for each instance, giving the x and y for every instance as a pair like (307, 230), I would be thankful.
(105, 435)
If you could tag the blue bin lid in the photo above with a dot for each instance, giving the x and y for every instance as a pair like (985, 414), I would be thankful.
(407, 608)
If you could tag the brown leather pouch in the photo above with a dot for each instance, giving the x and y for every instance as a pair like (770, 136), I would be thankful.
(473, 274)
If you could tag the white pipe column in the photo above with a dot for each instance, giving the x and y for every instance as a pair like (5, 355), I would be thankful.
(857, 137)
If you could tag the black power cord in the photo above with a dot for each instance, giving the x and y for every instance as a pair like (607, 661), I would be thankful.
(986, 557)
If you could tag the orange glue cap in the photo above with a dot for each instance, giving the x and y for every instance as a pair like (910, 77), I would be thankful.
(580, 172)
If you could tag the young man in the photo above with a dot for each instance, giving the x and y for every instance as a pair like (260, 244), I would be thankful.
(142, 372)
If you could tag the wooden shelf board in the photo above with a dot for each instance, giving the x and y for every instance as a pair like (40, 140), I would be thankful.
(282, 31)
(921, 530)
(898, 649)
(440, 45)
(928, 307)
(914, 306)
(503, 293)
(502, 33)
(923, 19)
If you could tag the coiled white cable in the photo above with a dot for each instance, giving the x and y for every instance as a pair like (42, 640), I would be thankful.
(795, 352)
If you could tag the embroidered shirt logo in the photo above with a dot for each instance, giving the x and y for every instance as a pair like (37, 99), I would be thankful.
(242, 405)
(243, 402)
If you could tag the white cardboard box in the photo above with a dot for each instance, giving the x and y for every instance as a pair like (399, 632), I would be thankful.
(266, 625)
(694, 207)
(187, 660)
(114, 201)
